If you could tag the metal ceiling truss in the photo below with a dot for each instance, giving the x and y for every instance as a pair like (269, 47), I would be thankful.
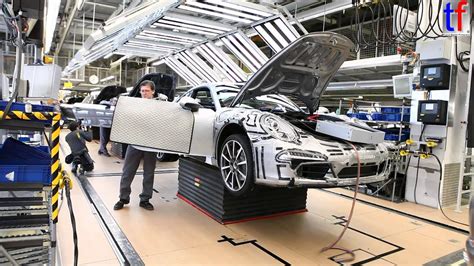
(277, 33)
(183, 34)
(245, 50)
(116, 31)
(222, 62)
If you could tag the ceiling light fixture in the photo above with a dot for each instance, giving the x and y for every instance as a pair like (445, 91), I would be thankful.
(268, 39)
(215, 14)
(184, 28)
(276, 34)
(52, 12)
(223, 10)
(194, 21)
(169, 22)
(240, 7)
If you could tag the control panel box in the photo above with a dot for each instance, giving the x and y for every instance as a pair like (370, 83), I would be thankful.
(435, 77)
(433, 112)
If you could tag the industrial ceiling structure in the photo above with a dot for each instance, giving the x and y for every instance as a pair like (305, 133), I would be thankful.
(205, 40)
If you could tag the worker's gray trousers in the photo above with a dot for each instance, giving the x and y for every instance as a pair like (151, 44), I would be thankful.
(104, 139)
(130, 166)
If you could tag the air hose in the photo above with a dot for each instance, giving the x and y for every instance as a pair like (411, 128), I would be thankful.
(349, 218)
(67, 187)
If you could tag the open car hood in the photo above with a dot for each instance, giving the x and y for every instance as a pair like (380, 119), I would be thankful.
(303, 69)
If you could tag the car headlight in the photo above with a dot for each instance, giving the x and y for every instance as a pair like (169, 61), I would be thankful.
(278, 128)
(288, 155)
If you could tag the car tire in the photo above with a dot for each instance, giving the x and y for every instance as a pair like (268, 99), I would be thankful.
(166, 157)
(236, 165)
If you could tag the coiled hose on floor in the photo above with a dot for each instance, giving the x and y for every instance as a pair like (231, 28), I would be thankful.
(333, 245)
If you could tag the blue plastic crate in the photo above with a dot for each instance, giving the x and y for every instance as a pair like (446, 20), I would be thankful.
(378, 116)
(360, 116)
(25, 174)
(16, 152)
(21, 107)
(21, 163)
(394, 110)
(394, 137)
(396, 117)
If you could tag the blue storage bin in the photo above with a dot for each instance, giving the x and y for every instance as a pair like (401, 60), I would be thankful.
(21, 107)
(395, 110)
(378, 116)
(25, 174)
(17, 150)
(396, 117)
(394, 137)
(361, 116)
(21, 163)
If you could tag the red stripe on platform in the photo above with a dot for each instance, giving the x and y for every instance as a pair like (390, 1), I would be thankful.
(262, 217)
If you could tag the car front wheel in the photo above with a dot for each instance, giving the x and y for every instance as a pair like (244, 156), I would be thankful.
(236, 164)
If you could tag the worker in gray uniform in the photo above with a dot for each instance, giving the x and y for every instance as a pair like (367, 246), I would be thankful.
(133, 157)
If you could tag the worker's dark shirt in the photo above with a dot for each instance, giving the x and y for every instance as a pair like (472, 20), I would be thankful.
(77, 141)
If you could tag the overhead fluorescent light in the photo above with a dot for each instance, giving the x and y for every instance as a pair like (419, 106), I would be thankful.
(204, 75)
(268, 39)
(251, 47)
(184, 68)
(173, 34)
(184, 28)
(157, 63)
(223, 10)
(240, 7)
(276, 34)
(107, 78)
(226, 60)
(197, 60)
(236, 51)
(180, 18)
(149, 37)
(211, 60)
(283, 27)
(251, 56)
(108, 55)
(201, 27)
(215, 14)
(52, 11)
(218, 60)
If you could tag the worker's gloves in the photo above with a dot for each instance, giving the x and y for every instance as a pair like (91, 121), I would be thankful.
(162, 97)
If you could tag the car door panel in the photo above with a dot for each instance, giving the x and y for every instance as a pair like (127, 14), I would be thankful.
(153, 124)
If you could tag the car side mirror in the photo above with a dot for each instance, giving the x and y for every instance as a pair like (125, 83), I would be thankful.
(189, 103)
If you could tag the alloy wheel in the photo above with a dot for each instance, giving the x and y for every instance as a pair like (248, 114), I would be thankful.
(234, 165)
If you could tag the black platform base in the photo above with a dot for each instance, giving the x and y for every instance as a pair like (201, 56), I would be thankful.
(200, 185)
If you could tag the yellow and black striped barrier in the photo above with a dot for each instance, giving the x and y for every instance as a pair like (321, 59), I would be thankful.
(19, 115)
(55, 166)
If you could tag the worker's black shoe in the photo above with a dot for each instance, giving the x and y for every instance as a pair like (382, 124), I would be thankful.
(146, 205)
(119, 205)
(106, 154)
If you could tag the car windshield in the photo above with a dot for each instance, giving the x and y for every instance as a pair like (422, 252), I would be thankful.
(269, 102)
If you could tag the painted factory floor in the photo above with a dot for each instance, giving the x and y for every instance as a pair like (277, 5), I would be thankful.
(176, 233)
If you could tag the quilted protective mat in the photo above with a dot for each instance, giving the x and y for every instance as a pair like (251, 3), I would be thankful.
(151, 123)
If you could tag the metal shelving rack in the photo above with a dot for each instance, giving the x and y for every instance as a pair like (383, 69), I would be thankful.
(28, 211)
(399, 163)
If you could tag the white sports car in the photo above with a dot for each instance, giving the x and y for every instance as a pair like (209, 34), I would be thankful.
(257, 135)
